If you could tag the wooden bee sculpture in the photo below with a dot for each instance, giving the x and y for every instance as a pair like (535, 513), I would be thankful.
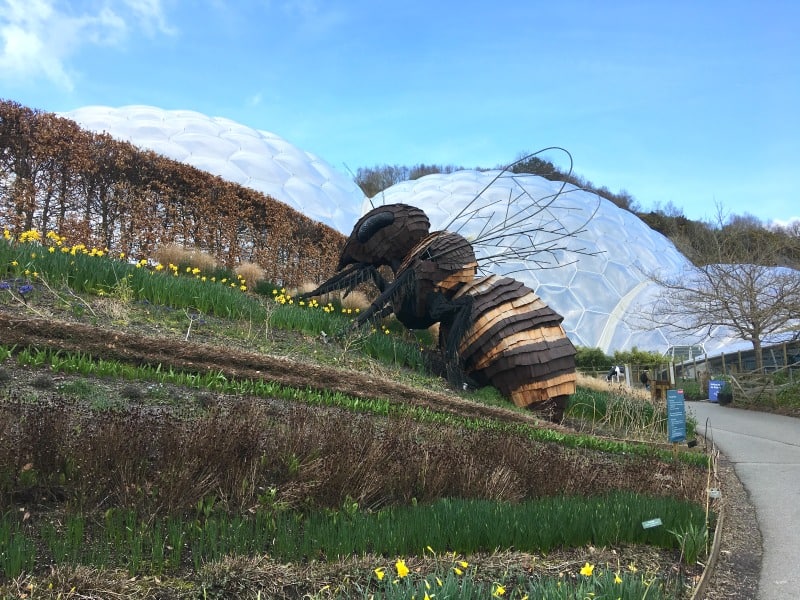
(493, 330)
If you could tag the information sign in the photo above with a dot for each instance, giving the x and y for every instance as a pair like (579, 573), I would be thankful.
(714, 388)
(649, 524)
(676, 416)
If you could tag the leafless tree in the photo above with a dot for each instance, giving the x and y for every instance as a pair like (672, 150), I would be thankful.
(754, 297)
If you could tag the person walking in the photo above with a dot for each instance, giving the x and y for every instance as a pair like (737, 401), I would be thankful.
(645, 379)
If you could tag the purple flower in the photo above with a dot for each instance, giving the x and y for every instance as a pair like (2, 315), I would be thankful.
(4, 285)
(24, 289)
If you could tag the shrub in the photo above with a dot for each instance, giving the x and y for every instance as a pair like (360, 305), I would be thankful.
(250, 272)
(182, 256)
(692, 390)
(725, 395)
(355, 299)
(592, 358)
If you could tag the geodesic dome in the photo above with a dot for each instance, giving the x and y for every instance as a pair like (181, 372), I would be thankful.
(598, 291)
(257, 159)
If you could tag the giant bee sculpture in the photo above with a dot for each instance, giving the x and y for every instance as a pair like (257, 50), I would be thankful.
(493, 330)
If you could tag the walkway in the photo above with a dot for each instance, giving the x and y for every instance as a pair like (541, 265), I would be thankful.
(765, 451)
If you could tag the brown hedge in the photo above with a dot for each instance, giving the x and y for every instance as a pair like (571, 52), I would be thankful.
(93, 189)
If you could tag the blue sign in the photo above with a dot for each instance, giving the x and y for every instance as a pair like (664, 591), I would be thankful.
(714, 387)
(676, 416)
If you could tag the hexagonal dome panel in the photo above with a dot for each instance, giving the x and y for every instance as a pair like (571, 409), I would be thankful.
(598, 291)
(253, 158)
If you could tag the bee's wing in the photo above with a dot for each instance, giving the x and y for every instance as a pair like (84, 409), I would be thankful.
(525, 219)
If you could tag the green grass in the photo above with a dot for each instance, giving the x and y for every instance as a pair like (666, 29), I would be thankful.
(140, 545)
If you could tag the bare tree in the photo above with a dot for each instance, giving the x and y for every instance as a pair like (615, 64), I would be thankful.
(753, 296)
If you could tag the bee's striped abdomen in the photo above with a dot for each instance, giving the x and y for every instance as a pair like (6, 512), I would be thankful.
(516, 342)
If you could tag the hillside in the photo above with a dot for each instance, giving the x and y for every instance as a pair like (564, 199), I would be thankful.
(134, 416)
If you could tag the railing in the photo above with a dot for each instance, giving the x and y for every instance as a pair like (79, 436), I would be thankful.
(761, 389)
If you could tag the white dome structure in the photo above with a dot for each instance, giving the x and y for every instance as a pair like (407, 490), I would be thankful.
(256, 159)
(598, 290)
(601, 292)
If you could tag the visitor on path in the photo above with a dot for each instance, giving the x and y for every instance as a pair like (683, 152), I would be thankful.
(614, 373)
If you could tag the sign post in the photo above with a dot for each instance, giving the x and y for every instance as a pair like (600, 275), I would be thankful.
(676, 416)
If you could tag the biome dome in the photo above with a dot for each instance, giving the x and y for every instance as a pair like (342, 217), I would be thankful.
(601, 296)
(257, 159)
(599, 291)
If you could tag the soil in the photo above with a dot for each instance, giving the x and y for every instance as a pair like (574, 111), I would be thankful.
(737, 568)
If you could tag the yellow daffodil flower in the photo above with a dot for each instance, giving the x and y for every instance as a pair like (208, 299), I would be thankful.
(587, 570)
(402, 569)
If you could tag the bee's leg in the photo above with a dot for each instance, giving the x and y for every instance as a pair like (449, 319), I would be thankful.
(382, 305)
(456, 315)
(348, 279)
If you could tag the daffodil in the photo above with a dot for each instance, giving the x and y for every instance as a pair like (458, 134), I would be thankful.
(617, 578)
(402, 569)
(380, 573)
(499, 590)
(587, 570)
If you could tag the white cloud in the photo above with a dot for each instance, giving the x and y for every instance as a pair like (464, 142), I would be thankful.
(39, 37)
(151, 15)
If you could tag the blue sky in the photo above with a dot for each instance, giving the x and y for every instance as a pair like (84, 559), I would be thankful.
(688, 104)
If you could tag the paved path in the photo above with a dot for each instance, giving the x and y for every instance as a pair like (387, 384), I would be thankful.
(765, 451)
